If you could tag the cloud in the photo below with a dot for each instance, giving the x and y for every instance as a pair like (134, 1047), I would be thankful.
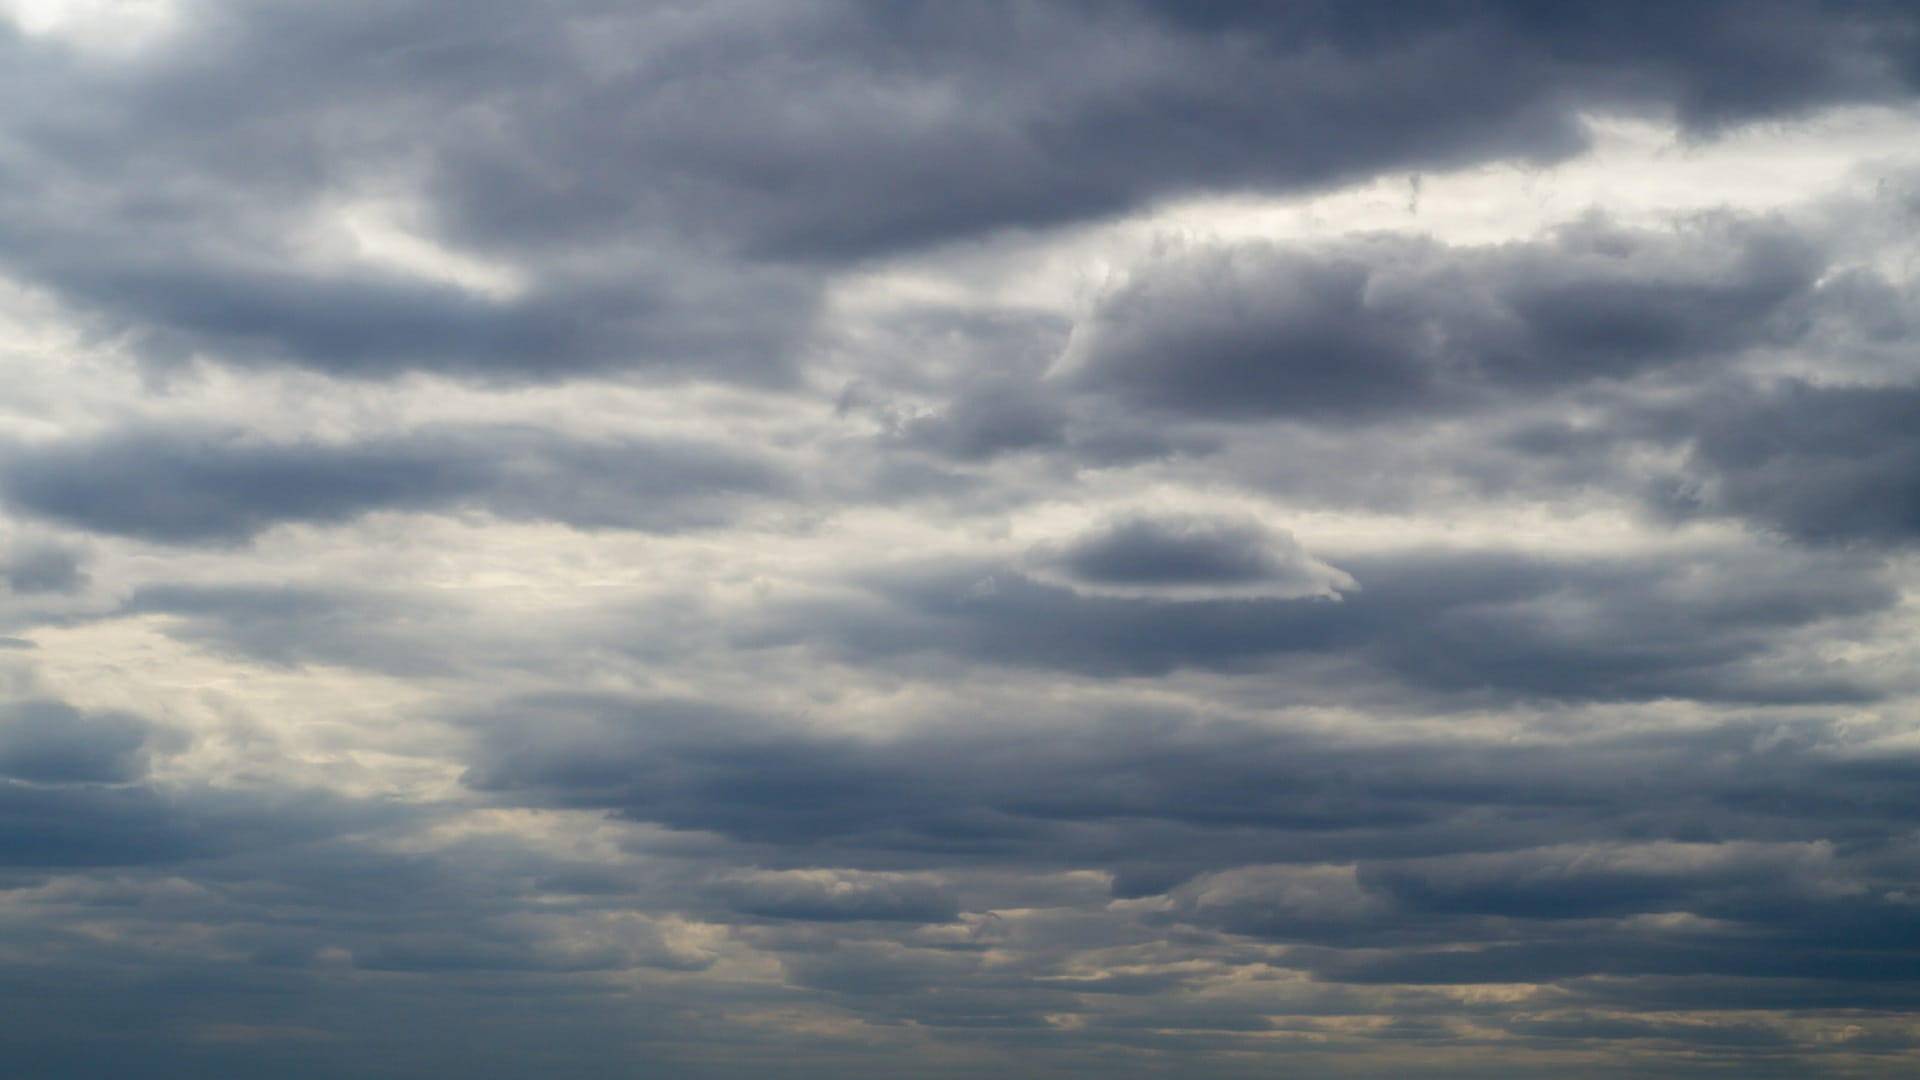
(855, 538)
(988, 421)
(1823, 464)
(77, 790)
(1189, 558)
(619, 161)
(212, 486)
(1024, 117)
(1413, 861)
(1502, 623)
(43, 568)
(52, 742)
(293, 625)
(836, 896)
(1166, 790)
(1395, 325)
(1598, 881)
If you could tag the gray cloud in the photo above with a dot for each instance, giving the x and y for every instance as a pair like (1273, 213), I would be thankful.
(1190, 557)
(1686, 58)
(1224, 794)
(829, 896)
(1398, 325)
(76, 791)
(988, 421)
(1074, 113)
(1645, 853)
(195, 486)
(621, 178)
(943, 735)
(291, 625)
(52, 742)
(1500, 623)
(1819, 463)
(43, 568)
(374, 325)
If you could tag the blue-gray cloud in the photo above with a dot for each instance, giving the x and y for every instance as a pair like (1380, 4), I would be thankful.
(43, 568)
(1824, 464)
(1502, 623)
(1477, 861)
(537, 139)
(198, 486)
(52, 742)
(1400, 325)
(1528, 701)
(1184, 556)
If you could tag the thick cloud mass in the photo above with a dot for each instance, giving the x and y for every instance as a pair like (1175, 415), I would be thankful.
(187, 486)
(1189, 558)
(1820, 463)
(1393, 325)
(52, 743)
(1493, 622)
(1338, 539)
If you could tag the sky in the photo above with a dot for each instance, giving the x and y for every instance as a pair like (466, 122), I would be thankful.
(800, 538)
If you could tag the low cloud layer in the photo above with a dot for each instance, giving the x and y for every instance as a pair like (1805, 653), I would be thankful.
(860, 539)
(1398, 325)
(188, 486)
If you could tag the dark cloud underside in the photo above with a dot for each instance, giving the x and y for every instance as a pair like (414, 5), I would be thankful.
(706, 540)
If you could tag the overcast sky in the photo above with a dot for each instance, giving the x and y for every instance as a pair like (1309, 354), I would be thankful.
(788, 538)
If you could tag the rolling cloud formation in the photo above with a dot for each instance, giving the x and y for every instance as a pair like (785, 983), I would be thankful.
(1203, 539)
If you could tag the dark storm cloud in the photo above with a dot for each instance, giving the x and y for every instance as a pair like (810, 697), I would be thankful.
(1824, 464)
(1151, 552)
(988, 421)
(625, 159)
(252, 126)
(369, 323)
(75, 792)
(294, 942)
(1166, 793)
(1257, 331)
(194, 486)
(993, 613)
(979, 422)
(1590, 882)
(1699, 626)
(1782, 849)
(200, 486)
(50, 742)
(450, 917)
(1713, 63)
(66, 826)
(1135, 792)
(976, 395)
(1394, 325)
(695, 767)
(1813, 911)
(1170, 551)
(1509, 624)
(933, 122)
